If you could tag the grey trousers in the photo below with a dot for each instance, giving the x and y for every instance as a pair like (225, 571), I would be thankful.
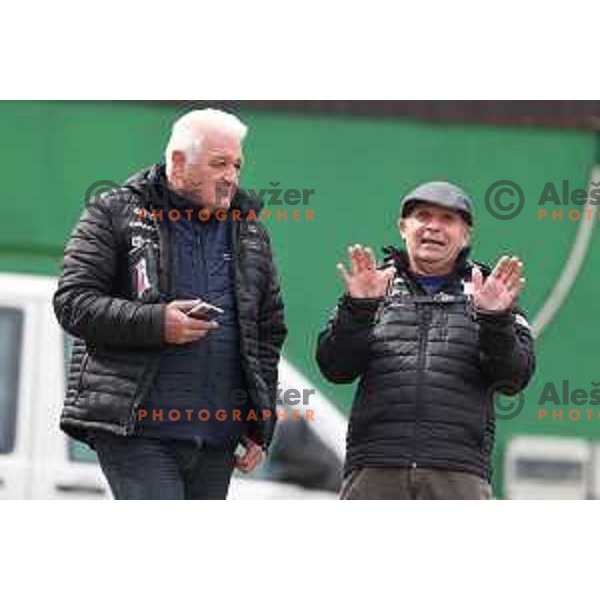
(391, 483)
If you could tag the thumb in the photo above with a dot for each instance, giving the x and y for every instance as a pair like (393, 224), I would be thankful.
(476, 278)
(389, 273)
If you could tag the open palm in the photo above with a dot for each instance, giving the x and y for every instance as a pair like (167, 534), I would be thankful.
(499, 291)
(364, 280)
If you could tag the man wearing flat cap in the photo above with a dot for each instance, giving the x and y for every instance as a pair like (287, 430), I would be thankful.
(429, 336)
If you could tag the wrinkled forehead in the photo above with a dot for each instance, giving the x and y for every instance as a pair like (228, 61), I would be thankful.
(218, 138)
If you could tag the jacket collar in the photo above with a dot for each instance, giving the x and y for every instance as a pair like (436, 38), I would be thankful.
(151, 184)
(398, 257)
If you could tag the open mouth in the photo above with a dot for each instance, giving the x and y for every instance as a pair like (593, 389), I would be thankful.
(432, 243)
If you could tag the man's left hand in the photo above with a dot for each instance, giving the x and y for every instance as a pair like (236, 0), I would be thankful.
(499, 291)
(251, 457)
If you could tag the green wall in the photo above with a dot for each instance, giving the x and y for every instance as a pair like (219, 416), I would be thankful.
(52, 151)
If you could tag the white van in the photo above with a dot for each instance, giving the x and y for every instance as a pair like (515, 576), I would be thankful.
(38, 461)
(551, 468)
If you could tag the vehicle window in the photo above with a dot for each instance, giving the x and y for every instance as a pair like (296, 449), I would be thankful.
(78, 451)
(549, 470)
(67, 348)
(297, 454)
(11, 331)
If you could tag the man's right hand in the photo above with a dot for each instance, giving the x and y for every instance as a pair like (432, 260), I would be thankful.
(181, 329)
(364, 279)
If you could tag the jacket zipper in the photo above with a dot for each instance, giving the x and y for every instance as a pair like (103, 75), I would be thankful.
(166, 265)
(235, 242)
(201, 255)
(423, 316)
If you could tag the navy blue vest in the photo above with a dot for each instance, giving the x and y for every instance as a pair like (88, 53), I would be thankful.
(205, 374)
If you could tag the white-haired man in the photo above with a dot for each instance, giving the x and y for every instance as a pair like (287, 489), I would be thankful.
(162, 392)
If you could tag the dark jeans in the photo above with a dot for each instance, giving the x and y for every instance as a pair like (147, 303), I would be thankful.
(139, 468)
(390, 483)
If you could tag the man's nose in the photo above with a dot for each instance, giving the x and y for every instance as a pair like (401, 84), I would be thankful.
(230, 175)
(433, 225)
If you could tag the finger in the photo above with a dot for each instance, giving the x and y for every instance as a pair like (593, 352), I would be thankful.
(254, 463)
(389, 275)
(184, 339)
(521, 267)
(252, 450)
(500, 267)
(514, 275)
(369, 258)
(253, 460)
(511, 267)
(476, 279)
(192, 335)
(199, 325)
(518, 270)
(246, 462)
(357, 259)
(190, 338)
(354, 265)
(389, 272)
(343, 273)
(240, 463)
(508, 268)
(248, 443)
(363, 257)
(516, 287)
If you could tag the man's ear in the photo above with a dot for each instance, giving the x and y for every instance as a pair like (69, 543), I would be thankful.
(178, 162)
(401, 227)
(468, 233)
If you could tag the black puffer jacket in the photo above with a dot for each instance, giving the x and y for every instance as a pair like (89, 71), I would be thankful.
(426, 363)
(120, 332)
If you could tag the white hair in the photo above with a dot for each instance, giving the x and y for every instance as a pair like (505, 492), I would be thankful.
(188, 131)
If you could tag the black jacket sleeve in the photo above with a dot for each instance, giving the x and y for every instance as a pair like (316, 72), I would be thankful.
(343, 346)
(506, 350)
(84, 303)
(272, 330)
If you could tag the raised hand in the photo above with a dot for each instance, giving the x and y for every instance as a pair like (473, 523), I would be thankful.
(364, 279)
(500, 290)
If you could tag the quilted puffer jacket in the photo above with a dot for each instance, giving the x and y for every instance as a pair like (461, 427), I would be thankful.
(119, 327)
(427, 366)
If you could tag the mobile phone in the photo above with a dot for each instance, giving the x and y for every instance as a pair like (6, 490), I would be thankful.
(205, 311)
